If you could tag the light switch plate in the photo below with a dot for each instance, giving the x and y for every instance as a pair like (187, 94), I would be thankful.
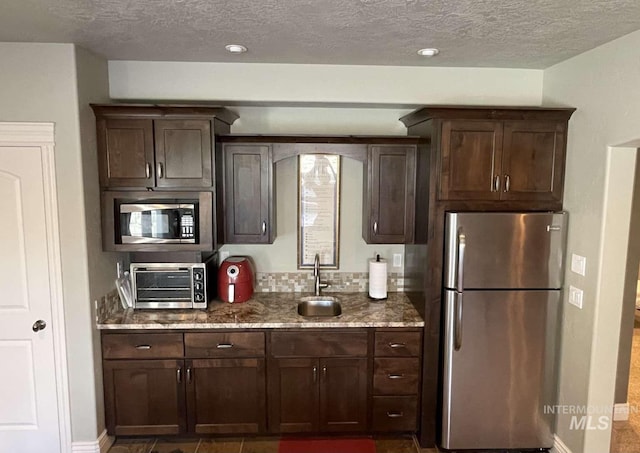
(397, 260)
(578, 264)
(575, 296)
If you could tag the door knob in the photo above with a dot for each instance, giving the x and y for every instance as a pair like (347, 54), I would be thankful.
(39, 325)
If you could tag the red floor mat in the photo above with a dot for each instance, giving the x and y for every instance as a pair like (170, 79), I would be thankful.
(327, 446)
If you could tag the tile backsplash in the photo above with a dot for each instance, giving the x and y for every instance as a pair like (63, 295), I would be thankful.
(339, 281)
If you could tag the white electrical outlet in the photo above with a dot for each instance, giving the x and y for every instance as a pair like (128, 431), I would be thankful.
(578, 264)
(575, 296)
(397, 260)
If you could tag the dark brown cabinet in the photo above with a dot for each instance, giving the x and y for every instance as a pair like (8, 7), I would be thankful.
(144, 397)
(223, 382)
(396, 380)
(148, 395)
(249, 194)
(318, 382)
(183, 153)
(151, 146)
(389, 191)
(226, 396)
(502, 160)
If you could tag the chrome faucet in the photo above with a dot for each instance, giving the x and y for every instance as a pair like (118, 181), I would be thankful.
(317, 285)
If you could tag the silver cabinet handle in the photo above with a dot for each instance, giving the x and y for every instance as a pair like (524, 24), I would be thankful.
(397, 345)
(496, 184)
(507, 183)
(39, 325)
(462, 245)
(315, 374)
(160, 170)
(224, 345)
(375, 227)
(458, 322)
(147, 170)
(179, 375)
(188, 375)
(324, 372)
(395, 414)
(395, 376)
(143, 346)
(264, 227)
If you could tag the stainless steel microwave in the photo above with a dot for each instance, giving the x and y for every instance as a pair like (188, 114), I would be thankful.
(158, 223)
(170, 285)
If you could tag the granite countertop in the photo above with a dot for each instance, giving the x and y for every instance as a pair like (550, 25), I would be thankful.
(270, 310)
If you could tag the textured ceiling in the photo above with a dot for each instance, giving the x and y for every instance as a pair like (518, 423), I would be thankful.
(489, 33)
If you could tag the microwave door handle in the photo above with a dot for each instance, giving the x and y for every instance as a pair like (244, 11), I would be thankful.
(462, 245)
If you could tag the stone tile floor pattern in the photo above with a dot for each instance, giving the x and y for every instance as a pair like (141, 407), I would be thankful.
(401, 444)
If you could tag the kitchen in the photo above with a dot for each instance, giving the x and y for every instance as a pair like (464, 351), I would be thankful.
(490, 86)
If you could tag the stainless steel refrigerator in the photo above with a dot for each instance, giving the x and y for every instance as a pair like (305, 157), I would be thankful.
(503, 276)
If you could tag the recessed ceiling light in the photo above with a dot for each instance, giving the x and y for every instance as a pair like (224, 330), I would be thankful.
(236, 48)
(430, 52)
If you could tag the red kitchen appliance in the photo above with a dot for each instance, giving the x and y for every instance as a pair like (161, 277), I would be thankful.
(235, 279)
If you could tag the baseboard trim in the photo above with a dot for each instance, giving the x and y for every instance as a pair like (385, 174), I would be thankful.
(620, 412)
(101, 445)
(559, 446)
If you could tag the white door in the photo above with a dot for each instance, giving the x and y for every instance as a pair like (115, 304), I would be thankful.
(29, 419)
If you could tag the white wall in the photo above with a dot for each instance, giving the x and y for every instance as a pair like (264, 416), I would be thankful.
(366, 100)
(38, 83)
(93, 87)
(603, 85)
(323, 83)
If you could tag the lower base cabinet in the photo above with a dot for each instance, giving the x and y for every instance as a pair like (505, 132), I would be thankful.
(318, 395)
(144, 397)
(226, 396)
(280, 381)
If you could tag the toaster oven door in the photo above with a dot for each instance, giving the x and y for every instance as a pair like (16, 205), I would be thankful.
(163, 288)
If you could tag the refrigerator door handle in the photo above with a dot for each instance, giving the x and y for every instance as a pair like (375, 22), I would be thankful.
(462, 244)
(457, 327)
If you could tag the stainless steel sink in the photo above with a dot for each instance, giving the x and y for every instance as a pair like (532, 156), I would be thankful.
(319, 306)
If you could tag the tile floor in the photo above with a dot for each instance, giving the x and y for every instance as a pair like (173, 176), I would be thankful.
(243, 445)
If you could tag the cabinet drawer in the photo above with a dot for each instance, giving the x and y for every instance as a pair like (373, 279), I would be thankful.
(142, 346)
(318, 344)
(224, 344)
(395, 413)
(397, 344)
(396, 376)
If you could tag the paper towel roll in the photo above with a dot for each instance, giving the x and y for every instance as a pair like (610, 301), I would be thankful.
(378, 279)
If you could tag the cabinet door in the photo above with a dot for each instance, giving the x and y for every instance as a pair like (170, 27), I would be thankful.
(343, 395)
(144, 397)
(389, 203)
(248, 194)
(125, 148)
(226, 396)
(293, 395)
(533, 160)
(183, 153)
(470, 161)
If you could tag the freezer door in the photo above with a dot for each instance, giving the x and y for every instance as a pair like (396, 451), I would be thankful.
(497, 383)
(505, 250)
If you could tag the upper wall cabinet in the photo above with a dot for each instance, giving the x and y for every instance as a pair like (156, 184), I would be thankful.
(496, 154)
(389, 193)
(158, 147)
(249, 195)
